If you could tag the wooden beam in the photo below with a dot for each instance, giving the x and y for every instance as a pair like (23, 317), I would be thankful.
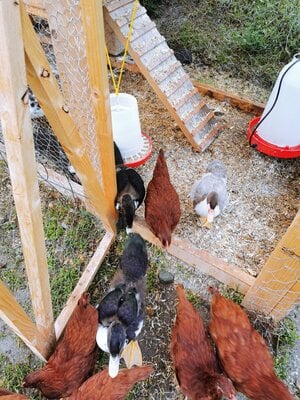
(36, 7)
(277, 287)
(246, 105)
(228, 274)
(93, 26)
(84, 282)
(18, 138)
(45, 87)
(17, 319)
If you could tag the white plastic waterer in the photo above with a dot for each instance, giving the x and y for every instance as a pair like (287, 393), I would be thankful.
(277, 131)
(135, 146)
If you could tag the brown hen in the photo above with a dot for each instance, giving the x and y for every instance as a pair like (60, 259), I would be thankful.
(243, 352)
(193, 356)
(162, 206)
(7, 395)
(102, 387)
(74, 358)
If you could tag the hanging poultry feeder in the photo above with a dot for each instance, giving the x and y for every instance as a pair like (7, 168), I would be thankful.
(277, 132)
(134, 145)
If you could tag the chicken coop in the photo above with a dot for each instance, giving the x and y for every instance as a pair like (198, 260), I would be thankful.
(54, 52)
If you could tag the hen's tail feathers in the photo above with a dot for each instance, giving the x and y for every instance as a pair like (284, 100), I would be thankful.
(33, 379)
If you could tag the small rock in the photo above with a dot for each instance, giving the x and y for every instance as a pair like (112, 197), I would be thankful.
(166, 277)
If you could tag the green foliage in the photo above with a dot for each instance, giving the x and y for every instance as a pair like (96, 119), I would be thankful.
(251, 39)
(285, 337)
(194, 298)
(152, 7)
(13, 278)
(12, 375)
(232, 294)
(62, 283)
(157, 262)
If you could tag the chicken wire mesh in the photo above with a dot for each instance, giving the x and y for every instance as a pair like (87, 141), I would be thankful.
(71, 232)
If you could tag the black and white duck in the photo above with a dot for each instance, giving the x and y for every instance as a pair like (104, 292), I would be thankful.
(121, 310)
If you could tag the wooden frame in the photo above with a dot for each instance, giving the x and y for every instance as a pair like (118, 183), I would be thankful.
(263, 293)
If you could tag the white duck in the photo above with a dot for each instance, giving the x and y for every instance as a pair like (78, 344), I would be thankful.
(209, 194)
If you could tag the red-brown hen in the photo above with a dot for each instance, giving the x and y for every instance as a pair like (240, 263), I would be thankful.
(162, 206)
(74, 358)
(102, 387)
(7, 395)
(193, 356)
(243, 352)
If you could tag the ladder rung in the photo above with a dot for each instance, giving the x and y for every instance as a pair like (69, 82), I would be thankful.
(188, 96)
(162, 60)
(114, 5)
(140, 13)
(178, 85)
(146, 30)
(172, 68)
(196, 109)
(205, 120)
(210, 136)
(162, 40)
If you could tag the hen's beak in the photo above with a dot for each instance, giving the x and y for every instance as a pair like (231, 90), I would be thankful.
(132, 354)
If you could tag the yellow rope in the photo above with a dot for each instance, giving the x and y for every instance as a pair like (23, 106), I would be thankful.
(117, 86)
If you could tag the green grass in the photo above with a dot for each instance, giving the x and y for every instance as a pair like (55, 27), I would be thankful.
(13, 278)
(12, 375)
(194, 298)
(252, 40)
(285, 339)
(232, 294)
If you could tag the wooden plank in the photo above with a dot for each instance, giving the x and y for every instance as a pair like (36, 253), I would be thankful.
(114, 5)
(84, 282)
(35, 7)
(212, 134)
(117, 61)
(93, 25)
(228, 274)
(46, 89)
(276, 288)
(202, 123)
(17, 319)
(194, 111)
(234, 100)
(18, 138)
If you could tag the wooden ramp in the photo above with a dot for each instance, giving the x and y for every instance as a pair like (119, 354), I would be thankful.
(163, 71)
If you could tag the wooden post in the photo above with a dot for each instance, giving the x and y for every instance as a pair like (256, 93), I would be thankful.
(18, 137)
(277, 288)
(46, 89)
(93, 25)
(16, 318)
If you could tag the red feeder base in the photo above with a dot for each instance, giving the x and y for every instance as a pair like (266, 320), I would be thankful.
(141, 157)
(268, 148)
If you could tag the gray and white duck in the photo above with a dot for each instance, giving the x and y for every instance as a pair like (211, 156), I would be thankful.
(209, 194)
